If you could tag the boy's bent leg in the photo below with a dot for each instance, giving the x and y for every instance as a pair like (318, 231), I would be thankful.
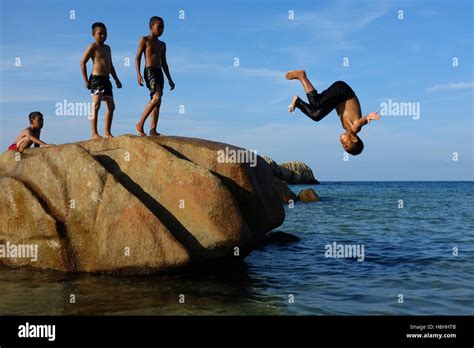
(94, 115)
(155, 114)
(23, 143)
(301, 76)
(148, 109)
(309, 110)
(22, 147)
(109, 114)
(330, 98)
(320, 105)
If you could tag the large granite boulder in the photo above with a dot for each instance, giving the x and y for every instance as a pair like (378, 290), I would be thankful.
(134, 204)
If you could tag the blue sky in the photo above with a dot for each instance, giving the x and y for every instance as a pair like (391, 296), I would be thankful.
(407, 60)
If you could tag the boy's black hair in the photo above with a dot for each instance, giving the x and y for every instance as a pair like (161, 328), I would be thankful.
(155, 19)
(34, 114)
(357, 147)
(98, 25)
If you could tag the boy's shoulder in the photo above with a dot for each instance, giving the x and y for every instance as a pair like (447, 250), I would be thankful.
(91, 47)
(149, 38)
(96, 45)
(162, 44)
(25, 131)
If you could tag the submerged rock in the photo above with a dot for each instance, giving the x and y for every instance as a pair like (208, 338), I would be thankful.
(279, 237)
(133, 204)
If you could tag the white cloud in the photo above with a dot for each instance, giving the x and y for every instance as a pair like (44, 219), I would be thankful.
(451, 86)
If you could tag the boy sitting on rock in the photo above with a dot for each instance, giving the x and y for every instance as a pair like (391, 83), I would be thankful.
(30, 134)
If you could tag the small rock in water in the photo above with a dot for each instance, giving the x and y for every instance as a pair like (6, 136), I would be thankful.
(308, 195)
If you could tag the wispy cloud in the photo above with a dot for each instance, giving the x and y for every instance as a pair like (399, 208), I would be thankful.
(342, 19)
(451, 86)
(217, 63)
(427, 12)
(41, 62)
(335, 28)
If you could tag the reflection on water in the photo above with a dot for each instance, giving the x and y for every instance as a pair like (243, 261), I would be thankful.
(218, 291)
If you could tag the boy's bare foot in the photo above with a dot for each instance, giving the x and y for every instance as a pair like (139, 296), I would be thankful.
(291, 108)
(295, 74)
(108, 136)
(96, 136)
(154, 133)
(140, 130)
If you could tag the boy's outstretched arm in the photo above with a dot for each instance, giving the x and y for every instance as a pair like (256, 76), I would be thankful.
(138, 58)
(85, 57)
(365, 120)
(113, 73)
(36, 140)
(165, 67)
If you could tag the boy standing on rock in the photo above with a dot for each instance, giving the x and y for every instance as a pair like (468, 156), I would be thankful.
(99, 81)
(155, 61)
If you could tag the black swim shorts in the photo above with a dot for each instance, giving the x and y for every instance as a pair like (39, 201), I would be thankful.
(100, 85)
(154, 80)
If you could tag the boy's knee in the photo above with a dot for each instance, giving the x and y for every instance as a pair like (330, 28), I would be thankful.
(316, 115)
(155, 99)
(96, 106)
(22, 147)
(111, 107)
(342, 85)
(344, 89)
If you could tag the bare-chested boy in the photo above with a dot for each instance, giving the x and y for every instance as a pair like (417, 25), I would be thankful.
(30, 134)
(339, 96)
(99, 81)
(155, 61)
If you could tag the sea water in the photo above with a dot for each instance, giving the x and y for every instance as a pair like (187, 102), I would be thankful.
(418, 259)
